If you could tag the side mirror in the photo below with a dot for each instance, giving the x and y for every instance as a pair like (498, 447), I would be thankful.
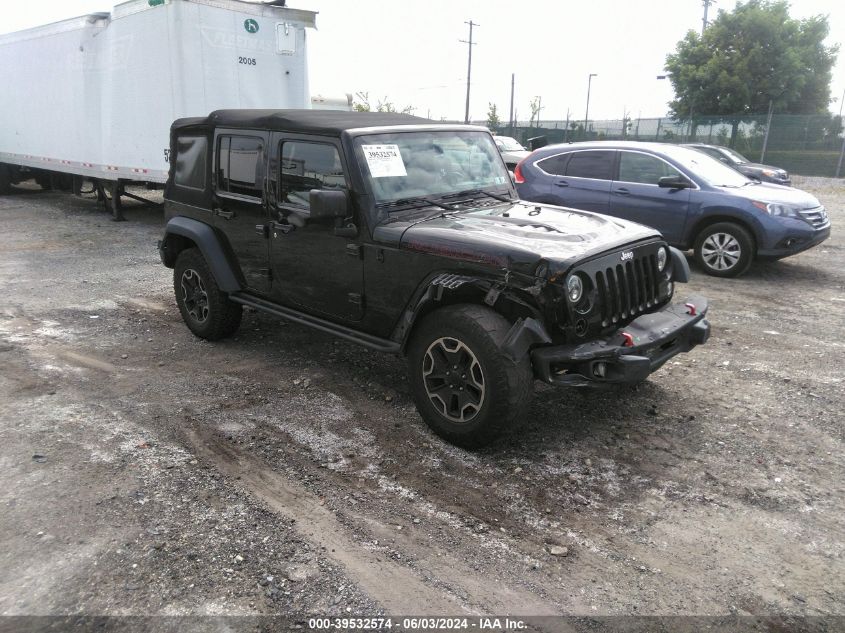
(674, 182)
(328, 204)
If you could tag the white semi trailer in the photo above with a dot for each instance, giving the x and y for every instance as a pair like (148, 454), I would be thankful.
(93, 97)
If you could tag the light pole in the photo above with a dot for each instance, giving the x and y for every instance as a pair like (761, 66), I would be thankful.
(691, 107)
(587, 113)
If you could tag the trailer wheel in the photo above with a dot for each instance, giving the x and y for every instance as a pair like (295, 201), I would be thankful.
(5, 180)
(44, 180)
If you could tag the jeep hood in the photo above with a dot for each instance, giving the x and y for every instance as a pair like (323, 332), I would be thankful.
(516, 236)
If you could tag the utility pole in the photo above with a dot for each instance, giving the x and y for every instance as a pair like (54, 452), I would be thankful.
(706, 4)
(587, 113)
(469, 44)
(510, 117)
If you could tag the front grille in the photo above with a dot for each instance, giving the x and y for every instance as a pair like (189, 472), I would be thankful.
(627, 289)
(816, 216)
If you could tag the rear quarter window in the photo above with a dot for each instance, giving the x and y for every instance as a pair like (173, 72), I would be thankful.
(190, 166)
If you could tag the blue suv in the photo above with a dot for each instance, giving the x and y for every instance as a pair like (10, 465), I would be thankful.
(694, 200)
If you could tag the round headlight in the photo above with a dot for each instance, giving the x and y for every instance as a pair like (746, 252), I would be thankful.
(662, 256)
(574, 288)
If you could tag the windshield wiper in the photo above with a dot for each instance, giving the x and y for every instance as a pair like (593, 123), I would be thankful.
(475, 192)
(416, 200)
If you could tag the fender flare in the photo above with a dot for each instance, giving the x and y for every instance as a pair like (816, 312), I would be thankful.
(680, 266)
(207, 241)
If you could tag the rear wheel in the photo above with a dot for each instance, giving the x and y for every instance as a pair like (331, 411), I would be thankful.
(724, 249)
(465, 388)
(206, 310)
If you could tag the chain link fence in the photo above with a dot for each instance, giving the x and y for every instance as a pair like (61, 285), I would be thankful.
(808, 145)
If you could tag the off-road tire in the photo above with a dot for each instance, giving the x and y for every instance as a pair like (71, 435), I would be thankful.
(507, 384)
(214, 318)
(5, 180)
(739, 237)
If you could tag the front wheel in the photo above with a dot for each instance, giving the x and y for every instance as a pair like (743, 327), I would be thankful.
(206, 309)
(465, 388)
(724, 249)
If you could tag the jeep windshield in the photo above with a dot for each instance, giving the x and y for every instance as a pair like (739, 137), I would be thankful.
(417, 168)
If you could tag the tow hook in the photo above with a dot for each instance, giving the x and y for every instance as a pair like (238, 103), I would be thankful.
(690, 308)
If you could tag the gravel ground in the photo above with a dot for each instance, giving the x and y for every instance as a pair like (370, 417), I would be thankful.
(146, 472)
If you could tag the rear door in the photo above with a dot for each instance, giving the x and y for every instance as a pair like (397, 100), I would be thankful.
(581, 179)
(240, 205)
(636, 196)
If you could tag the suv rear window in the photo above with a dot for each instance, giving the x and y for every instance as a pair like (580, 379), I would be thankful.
(594, 164)
(189, 168)
(239, 162)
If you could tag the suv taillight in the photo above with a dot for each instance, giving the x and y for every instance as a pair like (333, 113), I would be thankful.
(518, 178)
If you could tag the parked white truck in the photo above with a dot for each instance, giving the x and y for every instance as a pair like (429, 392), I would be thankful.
(93, 97)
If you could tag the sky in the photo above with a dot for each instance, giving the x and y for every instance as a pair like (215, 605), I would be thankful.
(411, 54)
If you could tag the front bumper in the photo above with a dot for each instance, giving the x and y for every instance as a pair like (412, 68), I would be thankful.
(794, 242)
(654, 338)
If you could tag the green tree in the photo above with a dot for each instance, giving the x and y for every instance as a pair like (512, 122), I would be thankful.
(362, 104)
(534, 105)
(751, 56)
(493, 121)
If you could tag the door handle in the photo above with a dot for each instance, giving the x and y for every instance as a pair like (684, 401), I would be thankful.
(622, 191)
(226, 215)
(561, 183)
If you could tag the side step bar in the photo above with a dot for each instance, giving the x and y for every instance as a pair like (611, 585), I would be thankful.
(367, 340)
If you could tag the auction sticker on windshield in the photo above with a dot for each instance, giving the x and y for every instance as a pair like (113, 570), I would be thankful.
(384, 160)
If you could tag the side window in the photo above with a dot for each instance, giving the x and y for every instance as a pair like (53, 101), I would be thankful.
(642, 168)
(306, 166)
(189, 168)
(598, 165)
(554, 165)
(239, 162)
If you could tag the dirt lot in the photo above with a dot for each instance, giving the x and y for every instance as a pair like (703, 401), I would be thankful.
(144, 471)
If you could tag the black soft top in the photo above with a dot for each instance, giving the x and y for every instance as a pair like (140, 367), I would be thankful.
(327, 122)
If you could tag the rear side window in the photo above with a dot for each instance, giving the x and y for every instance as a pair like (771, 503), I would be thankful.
(555, 165)
(239, 163)
(594, 164)
(189, 168)
(306, 166)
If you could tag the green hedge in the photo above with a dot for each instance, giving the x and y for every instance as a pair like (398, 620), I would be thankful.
(803, 163)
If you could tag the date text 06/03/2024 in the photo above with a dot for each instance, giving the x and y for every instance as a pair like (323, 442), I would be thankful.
(416, 623)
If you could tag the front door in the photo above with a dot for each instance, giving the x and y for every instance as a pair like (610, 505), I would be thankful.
(240, 211)
(635, 195)
(314, 269)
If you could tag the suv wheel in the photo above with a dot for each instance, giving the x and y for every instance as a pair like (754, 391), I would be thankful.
(724, 250)
(205, 309)
(464, 387)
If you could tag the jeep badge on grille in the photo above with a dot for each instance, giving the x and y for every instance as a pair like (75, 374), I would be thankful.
(626, 255)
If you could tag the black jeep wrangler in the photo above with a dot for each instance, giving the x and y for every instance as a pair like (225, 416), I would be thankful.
(407, 236)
